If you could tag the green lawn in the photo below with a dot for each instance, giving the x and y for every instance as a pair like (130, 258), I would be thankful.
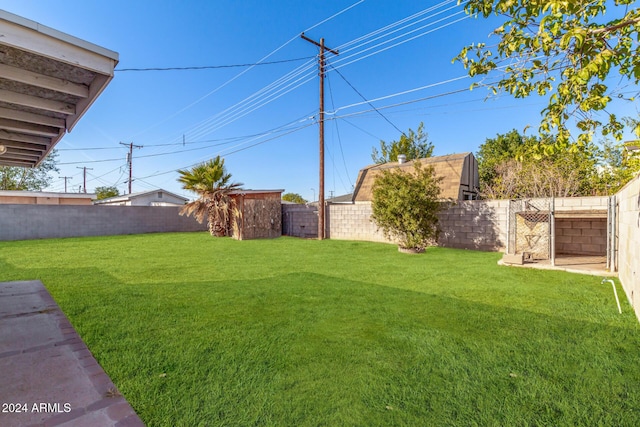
(201, 331)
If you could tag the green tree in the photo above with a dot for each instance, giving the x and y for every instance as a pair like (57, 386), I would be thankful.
(211, 181)
(618, 165)
(106, 192)
(414, 145)
(405, 206)
(510, 166)
(563, 50)
(294, 198)
(496, 151)
(29, 179)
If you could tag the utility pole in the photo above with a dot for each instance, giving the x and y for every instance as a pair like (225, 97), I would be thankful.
(66, 178)
(84, 176)
(321, 65)
(130, 161)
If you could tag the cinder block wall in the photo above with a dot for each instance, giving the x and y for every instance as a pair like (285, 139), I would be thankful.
(352, 222)
(25, 222)
(581, 203)
(300, 221)
(581, 236)
(629, 241)
(473, 224)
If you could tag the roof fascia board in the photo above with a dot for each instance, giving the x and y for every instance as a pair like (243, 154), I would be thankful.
(36, 38)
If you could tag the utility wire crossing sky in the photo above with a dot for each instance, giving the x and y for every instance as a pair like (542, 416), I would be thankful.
(199, 79)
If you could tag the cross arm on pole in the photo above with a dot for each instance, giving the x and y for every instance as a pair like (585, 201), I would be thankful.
(334, 51)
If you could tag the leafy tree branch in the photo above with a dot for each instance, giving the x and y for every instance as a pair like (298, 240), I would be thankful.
(563, 50)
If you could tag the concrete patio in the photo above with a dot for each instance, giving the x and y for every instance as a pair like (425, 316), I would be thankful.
(49, 376)
(587, 264)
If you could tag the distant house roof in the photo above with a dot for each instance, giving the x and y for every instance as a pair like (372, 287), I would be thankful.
(345, 198)
(49, 80)
(459, 173)
(128, 197)
(45, 197)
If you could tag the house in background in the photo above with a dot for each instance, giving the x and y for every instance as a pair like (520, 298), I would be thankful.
(459, 173)
(344, 198)
(157, 197)
(44, 198)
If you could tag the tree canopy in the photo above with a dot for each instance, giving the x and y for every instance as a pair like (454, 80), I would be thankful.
(106, 191)
(405, 205)
(294, 198)
(29, 179)
(510, 166)
(563, 50)
(414, 145)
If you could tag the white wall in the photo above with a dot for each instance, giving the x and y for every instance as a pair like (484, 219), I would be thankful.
(628, 219)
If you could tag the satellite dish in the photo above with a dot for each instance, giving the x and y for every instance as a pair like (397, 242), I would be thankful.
(3, 149)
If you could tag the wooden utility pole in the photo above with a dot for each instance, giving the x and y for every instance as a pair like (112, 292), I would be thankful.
(84, 176)
(66, 178)
(321, 65)
(130, 161)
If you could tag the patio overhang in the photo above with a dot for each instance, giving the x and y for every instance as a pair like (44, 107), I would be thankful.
(48, 80)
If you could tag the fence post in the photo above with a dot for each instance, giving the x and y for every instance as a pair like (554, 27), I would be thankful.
(552, 230)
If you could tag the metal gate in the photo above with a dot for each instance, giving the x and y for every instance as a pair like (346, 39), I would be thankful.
(530, 229)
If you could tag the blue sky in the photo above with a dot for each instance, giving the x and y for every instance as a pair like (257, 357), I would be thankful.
(263, 119)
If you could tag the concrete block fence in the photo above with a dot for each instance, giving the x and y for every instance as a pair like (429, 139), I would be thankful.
(480, 225)
(352, 222)
(300, 221)
(628, 220)
(473, 224)
(25, 222)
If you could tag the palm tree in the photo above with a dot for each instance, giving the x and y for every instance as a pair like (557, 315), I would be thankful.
(212, 183)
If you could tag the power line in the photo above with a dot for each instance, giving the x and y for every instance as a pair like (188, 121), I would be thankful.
(357, 59)
(232, 152)
(249, 138)
(273, 52)
(302, 75)
(280, 87)
(402, 93)
(369, 103)
(344, 162)
(297, 78)
(389, 27)
(213, 67)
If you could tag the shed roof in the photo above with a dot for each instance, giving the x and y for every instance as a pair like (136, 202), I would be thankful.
(241, 192)
(450, 168)
(48, 80)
